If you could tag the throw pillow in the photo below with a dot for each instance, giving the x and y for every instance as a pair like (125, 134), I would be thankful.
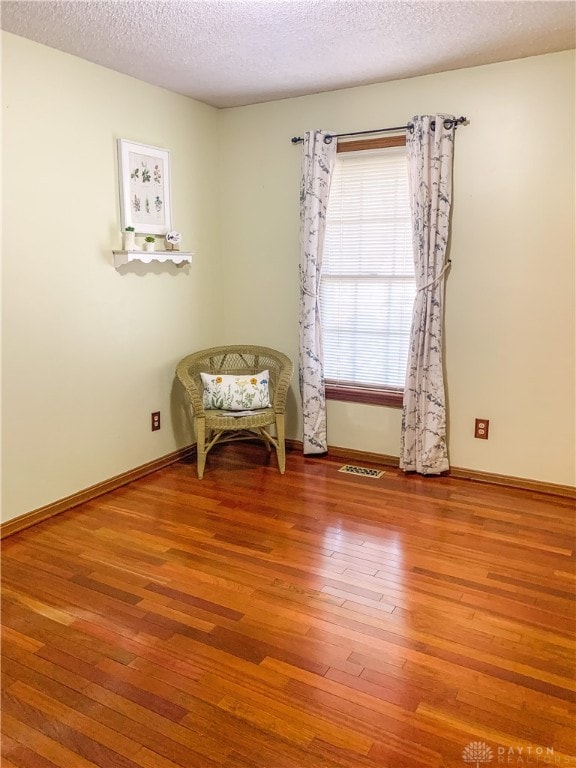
(235, 393)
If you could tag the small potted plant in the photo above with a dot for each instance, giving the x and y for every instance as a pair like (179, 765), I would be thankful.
(149, 243)
(129, 242)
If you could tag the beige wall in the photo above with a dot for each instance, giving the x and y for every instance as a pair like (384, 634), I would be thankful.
(510, 295)
(89, 351)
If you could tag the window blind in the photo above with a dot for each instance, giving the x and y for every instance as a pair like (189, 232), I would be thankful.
(367, 285)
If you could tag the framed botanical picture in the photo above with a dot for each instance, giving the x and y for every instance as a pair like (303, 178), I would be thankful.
(144, 174)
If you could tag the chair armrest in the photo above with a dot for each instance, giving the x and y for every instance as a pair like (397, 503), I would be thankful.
(281, 389)
(190, 385)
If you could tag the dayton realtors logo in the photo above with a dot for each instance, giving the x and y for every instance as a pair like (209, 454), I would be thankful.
(478, 754)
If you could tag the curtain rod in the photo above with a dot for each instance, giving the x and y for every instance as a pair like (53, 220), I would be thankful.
(448, 123)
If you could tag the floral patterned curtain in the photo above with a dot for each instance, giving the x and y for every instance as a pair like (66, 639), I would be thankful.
(430, 149)
(317, 164)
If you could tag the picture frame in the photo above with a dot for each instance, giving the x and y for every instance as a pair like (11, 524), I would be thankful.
(144, 181)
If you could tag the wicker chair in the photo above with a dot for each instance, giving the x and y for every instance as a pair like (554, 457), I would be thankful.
(218, 426)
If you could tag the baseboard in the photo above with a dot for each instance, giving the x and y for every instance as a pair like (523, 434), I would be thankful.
(36, 516)
(522, 483)
(349, 454)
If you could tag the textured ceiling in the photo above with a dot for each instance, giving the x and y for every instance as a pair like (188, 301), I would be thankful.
(235, 52)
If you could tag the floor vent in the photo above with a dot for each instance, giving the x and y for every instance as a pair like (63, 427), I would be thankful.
(350, 469)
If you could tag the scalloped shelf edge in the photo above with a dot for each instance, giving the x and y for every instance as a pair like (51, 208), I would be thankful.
(146, 257)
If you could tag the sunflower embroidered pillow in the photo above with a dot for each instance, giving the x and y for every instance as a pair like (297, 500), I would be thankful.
(235, 393)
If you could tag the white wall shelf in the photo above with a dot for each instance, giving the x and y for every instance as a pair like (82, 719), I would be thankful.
(177, 257)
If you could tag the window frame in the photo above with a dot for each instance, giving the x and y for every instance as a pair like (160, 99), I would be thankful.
(353, 393)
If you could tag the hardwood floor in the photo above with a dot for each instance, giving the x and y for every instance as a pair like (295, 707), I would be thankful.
(311, 620)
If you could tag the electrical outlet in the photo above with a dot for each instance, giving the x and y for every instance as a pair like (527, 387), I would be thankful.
(481, 429)
(155, 421)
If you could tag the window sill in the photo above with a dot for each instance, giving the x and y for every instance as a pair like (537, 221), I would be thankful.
(389, 397)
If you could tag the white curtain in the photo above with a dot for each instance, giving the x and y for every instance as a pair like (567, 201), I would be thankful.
(430, 150)
(317, 165)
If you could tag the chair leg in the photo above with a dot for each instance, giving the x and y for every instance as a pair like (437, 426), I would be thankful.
(201, 446)
(281, 437)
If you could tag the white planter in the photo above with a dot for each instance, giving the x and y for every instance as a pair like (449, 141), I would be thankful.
(149, 246)
(129, 241)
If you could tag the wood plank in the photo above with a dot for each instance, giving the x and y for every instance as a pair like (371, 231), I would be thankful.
(117, 743)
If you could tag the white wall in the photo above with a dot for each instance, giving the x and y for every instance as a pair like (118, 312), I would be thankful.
(510, 295)
(89, 351)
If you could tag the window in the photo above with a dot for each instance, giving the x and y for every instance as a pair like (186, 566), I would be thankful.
(367, 286)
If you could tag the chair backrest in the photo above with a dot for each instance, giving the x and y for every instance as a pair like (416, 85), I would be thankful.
(236, 360)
